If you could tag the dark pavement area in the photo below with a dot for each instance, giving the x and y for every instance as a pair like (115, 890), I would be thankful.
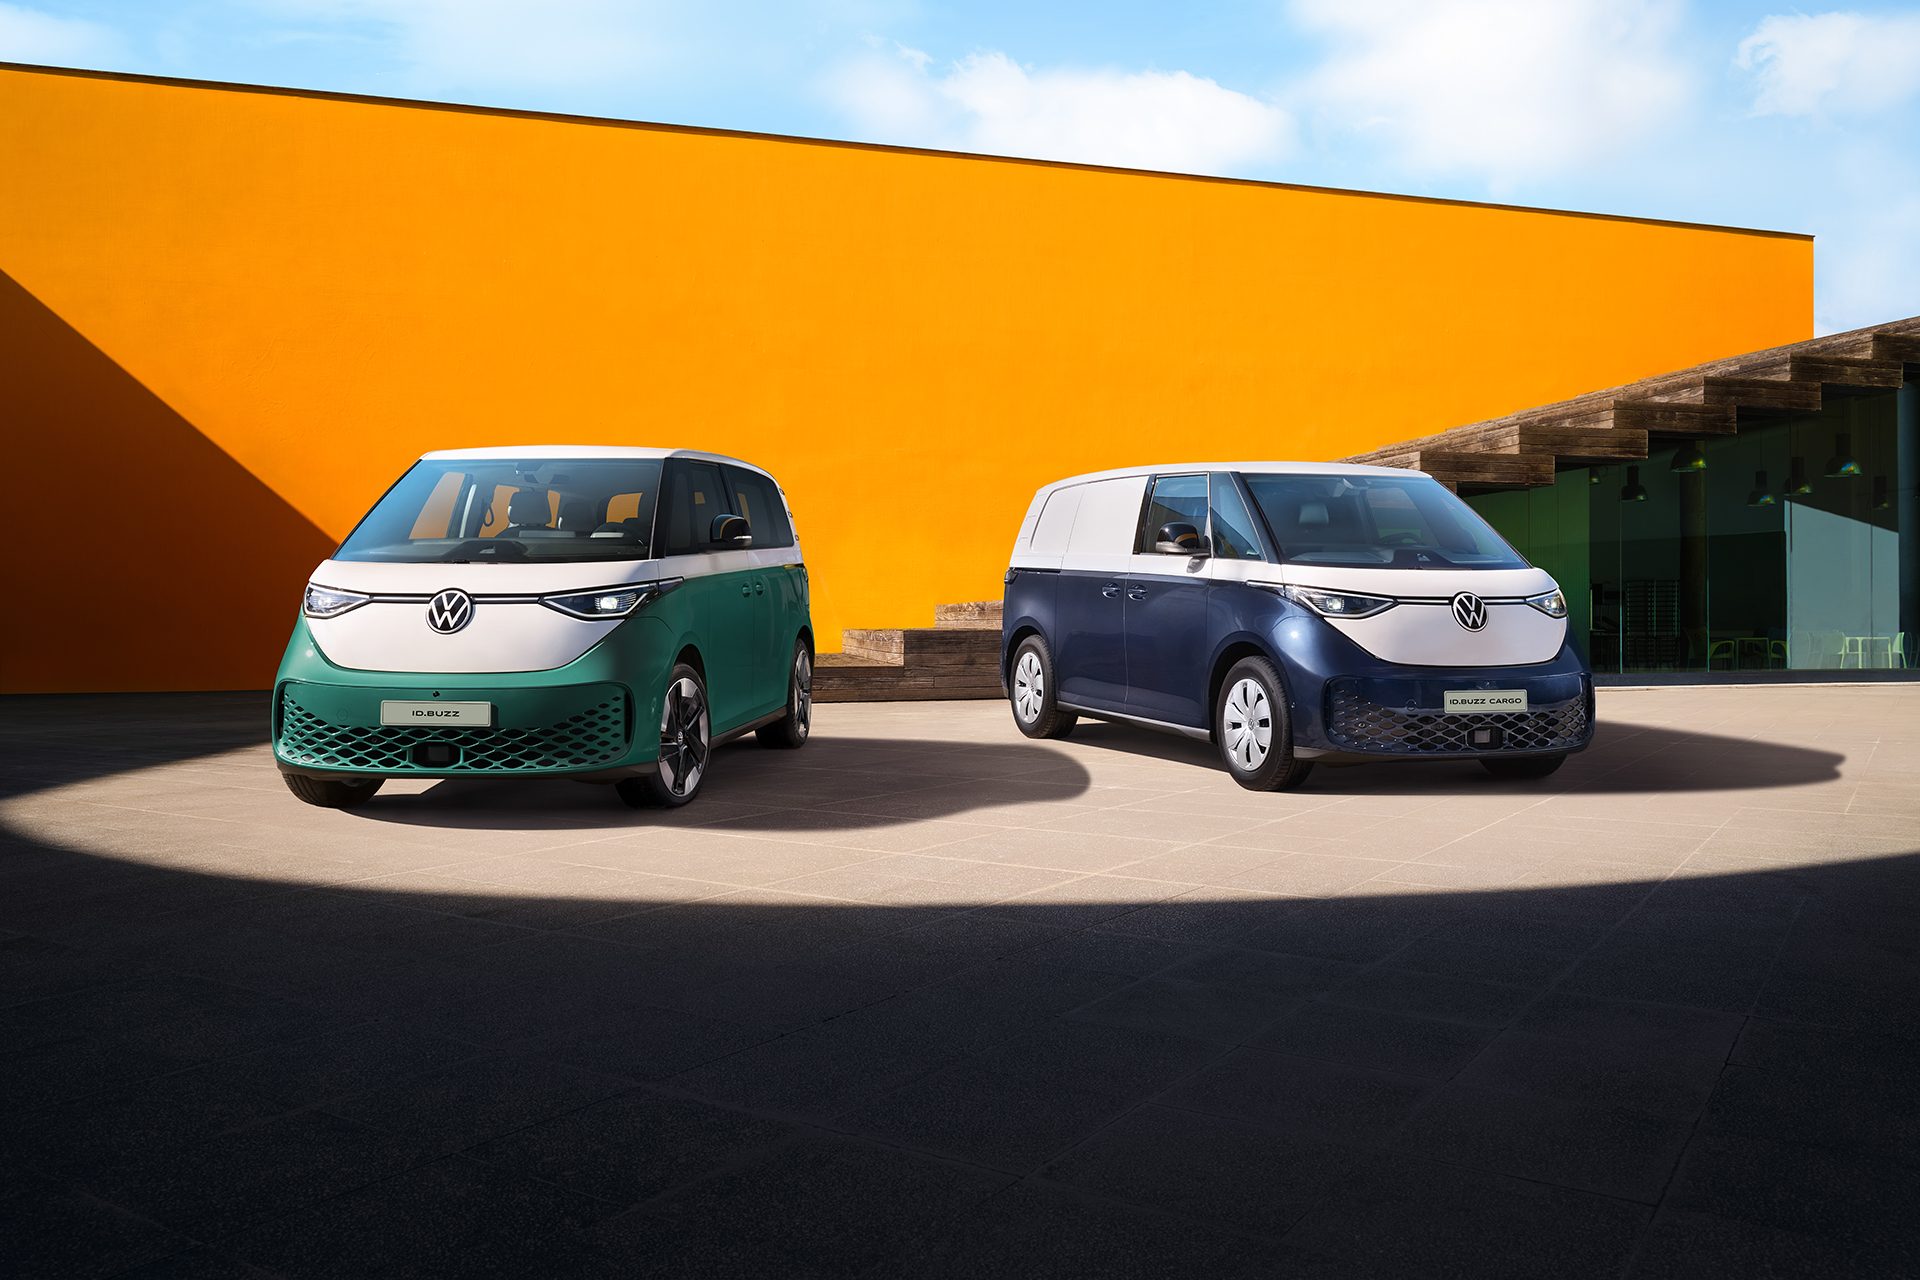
(928, 999)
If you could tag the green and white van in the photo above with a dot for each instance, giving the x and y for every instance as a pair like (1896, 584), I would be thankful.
(607, 614)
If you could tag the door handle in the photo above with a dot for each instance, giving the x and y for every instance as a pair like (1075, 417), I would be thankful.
(1111, 590)
(1136, 593)
(746, 589)
(759, 588)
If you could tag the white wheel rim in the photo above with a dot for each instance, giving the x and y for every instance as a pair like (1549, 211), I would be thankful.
(1029, 687)
(683, 737)
(803, 693)
(1247, 725)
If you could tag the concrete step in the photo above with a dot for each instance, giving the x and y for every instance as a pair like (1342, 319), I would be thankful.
(838, 679)
(980, 614)
(924, 646)
(959, 657)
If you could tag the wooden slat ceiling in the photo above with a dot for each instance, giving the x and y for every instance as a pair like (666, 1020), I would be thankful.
(1618, 424)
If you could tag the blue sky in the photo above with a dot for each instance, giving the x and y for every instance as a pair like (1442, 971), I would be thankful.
(1756, 114)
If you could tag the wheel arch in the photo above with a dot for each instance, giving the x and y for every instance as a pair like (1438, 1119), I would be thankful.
(1015, 638)
(1233, 650)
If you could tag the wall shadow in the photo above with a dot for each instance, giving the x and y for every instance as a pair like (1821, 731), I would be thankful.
(156, 560)
(590, 1066)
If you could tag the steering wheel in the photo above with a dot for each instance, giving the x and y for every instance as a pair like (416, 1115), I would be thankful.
(1399, 539)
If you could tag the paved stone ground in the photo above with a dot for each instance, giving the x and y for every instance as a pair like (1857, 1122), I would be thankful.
(929, 999)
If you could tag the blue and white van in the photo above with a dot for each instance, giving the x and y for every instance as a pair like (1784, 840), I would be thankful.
(1292, 613)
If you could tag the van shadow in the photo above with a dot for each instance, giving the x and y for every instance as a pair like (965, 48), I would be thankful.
(1624, 759)
(834, 783)
(238, 1030)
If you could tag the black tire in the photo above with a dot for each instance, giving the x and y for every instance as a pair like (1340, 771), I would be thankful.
(1522, 768)
(330, 793)
(1030, 692)
(1253, 703)
(790, 731)
(686, 746)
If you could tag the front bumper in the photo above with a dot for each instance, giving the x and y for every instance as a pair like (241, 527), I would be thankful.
(1379, 717)
(1349, 706)
(578, 720)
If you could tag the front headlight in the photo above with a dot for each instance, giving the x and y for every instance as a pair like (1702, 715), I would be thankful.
(1338, 604)
(608, 602)
(1552, 603)
(325, 602)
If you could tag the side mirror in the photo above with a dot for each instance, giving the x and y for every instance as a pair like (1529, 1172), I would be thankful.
(730, 531)
(1180, 539)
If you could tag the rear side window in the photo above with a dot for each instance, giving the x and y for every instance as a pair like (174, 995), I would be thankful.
(1174, 500)
(758, 499)
(694, 496)
(1233, 536)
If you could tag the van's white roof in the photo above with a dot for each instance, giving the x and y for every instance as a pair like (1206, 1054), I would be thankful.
(579, 451)
(1287, 468)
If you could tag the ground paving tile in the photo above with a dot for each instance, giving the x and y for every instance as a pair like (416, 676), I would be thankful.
(928, 998)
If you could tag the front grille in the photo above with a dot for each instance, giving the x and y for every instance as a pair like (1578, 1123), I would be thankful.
(1359, 725)
(596, 735)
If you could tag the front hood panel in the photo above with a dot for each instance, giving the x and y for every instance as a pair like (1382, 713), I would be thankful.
(502, 636)
(1426, 634)
(1427, 584)
(480, 579)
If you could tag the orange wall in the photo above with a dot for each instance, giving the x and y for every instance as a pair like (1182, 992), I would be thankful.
(301, 294)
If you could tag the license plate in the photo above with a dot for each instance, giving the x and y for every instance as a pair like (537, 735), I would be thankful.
(1462, 702)
(437, 713)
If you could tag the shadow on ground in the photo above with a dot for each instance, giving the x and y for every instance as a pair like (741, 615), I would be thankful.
(619, 1068)
(1672, 761)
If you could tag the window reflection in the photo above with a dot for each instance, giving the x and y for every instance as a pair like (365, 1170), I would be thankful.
(1777, 548)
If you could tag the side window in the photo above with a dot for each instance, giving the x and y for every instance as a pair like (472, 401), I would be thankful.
(1233, 536)
(756, 498)
(1172, 500)
(694, 496)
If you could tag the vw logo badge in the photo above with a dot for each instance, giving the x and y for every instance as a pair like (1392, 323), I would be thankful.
(452, 609)
(1470, 611)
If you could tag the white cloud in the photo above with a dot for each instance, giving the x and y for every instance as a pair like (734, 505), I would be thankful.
(1811, 64)
(27, 35)
(1507, 89)
(988, 102)
(515, 43)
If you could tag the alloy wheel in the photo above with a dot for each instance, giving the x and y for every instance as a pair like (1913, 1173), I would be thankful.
(683, 737)
(1029, 686)
(1249, 724)
(802, 709)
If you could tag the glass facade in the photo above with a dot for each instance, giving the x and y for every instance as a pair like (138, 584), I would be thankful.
(1793, 545)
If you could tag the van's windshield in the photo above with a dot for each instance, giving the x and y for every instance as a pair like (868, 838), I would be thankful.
(512, 510)
(1376, 522)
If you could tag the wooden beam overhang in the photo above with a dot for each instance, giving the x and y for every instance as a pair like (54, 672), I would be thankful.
(1524, 449)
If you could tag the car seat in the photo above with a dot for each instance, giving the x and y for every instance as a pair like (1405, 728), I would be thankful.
(527, 509)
